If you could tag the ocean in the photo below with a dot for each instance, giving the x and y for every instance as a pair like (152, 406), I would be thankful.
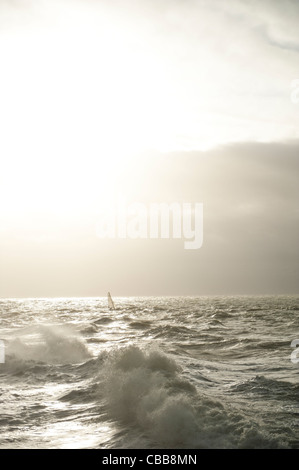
(209, 372)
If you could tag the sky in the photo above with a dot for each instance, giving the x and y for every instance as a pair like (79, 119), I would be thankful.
(185, 102)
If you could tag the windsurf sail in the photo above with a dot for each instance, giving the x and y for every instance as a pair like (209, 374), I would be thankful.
(110, 302)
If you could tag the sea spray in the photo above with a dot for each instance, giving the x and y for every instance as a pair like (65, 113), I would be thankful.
(144, 388)
(201, 373)
(49, 344)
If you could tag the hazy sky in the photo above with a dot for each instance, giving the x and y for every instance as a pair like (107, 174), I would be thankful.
(148, 101)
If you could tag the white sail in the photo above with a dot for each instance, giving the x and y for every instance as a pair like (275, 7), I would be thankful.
(110, 302)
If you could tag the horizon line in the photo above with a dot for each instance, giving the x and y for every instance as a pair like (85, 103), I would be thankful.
(151, 296)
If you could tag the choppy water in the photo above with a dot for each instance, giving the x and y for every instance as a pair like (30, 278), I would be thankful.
(206, 372)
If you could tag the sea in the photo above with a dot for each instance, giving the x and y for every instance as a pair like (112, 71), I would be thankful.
(208, 372)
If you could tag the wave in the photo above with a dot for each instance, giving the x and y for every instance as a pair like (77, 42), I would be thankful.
(140, 325)
(266, 387)
(145, 390)
(103, 320)
(49, 344)
(204, 393)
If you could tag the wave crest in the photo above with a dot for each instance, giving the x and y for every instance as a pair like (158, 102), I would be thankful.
(49, 344)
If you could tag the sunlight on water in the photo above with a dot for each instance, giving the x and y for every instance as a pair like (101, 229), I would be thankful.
(162, 372)
(75, 435)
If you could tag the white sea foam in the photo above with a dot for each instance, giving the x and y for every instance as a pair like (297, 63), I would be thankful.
(146, 389)
(183, 380)
(142, 388)
(49, 344)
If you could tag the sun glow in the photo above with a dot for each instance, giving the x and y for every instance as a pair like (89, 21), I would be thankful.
(77, 104)
(87, 88)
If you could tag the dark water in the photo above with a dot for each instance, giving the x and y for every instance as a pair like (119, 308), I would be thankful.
(206, 372)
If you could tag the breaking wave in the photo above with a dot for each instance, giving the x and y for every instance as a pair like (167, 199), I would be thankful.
(50, 344)
(158, 373)
(146, 390)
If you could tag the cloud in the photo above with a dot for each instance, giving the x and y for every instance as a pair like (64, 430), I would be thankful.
(251, 217)
(86, 85)
(250, 197)
(190, 75)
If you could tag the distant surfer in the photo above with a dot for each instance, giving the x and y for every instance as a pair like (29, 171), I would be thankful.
(111, 305)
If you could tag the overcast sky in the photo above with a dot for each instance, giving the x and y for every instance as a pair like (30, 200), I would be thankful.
(148, 101)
